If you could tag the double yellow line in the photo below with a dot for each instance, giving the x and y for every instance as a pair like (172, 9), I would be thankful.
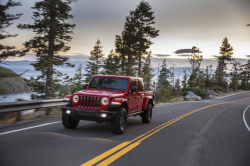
(127, 146)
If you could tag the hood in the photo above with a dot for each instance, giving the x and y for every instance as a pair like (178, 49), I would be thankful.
(101, 93)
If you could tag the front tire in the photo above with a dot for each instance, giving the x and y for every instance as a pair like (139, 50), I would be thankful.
(119, 123)
(69, 122)
(147, 115)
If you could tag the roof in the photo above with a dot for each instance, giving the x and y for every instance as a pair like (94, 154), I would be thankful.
(117, 76)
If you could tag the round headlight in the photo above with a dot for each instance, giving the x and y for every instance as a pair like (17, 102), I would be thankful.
(75, 99)
(105, 101)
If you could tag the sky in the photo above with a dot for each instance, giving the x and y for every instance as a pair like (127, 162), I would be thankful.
(182, 24)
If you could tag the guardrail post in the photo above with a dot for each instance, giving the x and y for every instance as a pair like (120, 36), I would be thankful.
(18, 116)
(47, 110)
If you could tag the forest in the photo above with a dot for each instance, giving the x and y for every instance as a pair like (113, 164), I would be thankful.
(131, 56)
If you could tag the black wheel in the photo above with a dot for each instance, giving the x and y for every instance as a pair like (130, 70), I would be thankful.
(147, 115)
(120, 121)
(69, 122)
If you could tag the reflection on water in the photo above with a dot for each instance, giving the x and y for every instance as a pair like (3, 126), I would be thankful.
(14, 97)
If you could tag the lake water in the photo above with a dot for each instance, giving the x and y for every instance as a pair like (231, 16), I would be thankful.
(14, 97)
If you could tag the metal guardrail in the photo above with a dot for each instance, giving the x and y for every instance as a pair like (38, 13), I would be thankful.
(27, 105)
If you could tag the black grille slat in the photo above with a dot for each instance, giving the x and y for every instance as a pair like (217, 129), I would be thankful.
(89, 101)
(99, 102)
(85, 103)
(79, 101)
(96, 101)
(82, 104)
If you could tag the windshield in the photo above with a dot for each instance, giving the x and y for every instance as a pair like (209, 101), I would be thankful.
(109, 83)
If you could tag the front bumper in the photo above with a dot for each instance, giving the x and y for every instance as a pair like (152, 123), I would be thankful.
(91, 115)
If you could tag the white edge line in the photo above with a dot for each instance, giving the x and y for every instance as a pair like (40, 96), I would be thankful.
(27, 128)
(229, 96)
(244, 119)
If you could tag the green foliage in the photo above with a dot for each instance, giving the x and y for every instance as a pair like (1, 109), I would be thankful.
(134, 41)
(5, 22)
(78, 78)
(147, 71)
(52, 36)
(195, 63)
(197, 91)
(162, 91)
(95, 62)
(10, 85)
(64, 91)
(112, 64)
(226, 51)
(235, 75)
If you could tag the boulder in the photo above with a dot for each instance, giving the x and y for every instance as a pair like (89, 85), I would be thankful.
(198, 98)
(210, 96)
(187, 97)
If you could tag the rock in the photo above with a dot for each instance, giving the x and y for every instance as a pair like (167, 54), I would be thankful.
(180, 99)
(198, 98)
(187, 97)
(192, 95)
(210, 96)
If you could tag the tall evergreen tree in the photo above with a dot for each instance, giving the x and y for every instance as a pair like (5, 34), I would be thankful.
(185, 78)
(52, 35)
(5, 21)
(95, 62)
(78, 78)
(120, 50)
(235, 75)
(195, 63)
(147, 71)
(144, 19)
(162, 90)
(111, 64)
(129, 41)
(226, 51)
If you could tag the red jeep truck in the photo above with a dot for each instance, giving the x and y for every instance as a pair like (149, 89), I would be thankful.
(109, 98)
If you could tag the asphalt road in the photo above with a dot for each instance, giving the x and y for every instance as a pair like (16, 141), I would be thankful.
(210, 132)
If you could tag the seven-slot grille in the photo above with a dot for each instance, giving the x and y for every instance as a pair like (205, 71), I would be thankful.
(89, 101)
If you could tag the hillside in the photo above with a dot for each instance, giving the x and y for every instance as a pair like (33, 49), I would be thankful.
(12, 85)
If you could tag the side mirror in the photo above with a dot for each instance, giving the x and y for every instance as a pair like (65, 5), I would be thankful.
(85, 86)
(133, 89)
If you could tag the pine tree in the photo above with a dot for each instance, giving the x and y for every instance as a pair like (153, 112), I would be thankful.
(208, 78)
(5, 22)
(234, 75)
(129, 41)
(111, 64)
(178, 85)
(120, 50)
(226, 51)
(78, 78)
(52, 35)
(185, 77)
(95, 62)
(147, 71)
(195, 63)
(144, 20)
(162, 90)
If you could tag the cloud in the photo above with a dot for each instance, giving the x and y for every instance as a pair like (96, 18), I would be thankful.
(186, 50)
(184, 55)
(162, 55)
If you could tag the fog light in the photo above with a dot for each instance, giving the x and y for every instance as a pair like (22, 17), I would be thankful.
(68, 112)
(103, 115)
